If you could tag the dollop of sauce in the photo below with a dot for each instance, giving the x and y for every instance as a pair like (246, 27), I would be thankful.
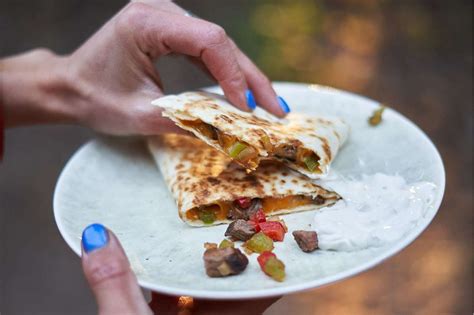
(375, 210)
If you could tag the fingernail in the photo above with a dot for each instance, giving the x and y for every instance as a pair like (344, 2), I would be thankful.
(283, 104)
(250, 100)
(95, 236)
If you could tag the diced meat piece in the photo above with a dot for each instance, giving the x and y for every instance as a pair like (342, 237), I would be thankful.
(240, 230)
(254, 207)
(222, 262)
(207, 130)
(319, 200)
(286, 151)
(237, 212)
(306, 240)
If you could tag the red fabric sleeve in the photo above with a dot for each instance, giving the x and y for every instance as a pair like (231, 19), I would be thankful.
(2, 133)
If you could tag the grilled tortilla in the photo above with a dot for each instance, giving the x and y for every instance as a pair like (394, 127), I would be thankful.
(306, 144)
(206, 185)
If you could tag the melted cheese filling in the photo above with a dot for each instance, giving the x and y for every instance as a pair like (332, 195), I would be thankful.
(248, 157)
(239, 150)
(269, 205)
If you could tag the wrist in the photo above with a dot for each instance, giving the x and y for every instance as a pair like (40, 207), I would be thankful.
(36, 89)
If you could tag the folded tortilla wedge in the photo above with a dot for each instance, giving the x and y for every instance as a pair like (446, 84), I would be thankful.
(209, 189)
(306, 144)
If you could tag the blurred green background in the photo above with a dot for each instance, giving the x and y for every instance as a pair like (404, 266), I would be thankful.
(415, 56)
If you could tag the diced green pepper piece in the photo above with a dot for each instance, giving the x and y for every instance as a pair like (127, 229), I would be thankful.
(236, 148)
(267, 144)
(207, 216)
(226, 243)
(376, 117)
(275, 268)
(259, 243)
(247, 152)
(311, 162)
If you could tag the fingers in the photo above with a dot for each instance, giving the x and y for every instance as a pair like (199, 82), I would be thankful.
(210, 43)
(108, 273)
(115, 287)
(261, 86)
(160, 28)
(151, 122)
(147, 120)
(158, 32)
(164, 5)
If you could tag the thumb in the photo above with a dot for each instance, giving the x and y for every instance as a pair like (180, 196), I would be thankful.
(108, 273)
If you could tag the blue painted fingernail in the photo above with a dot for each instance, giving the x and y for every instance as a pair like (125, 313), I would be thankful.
(250, 100)
(283, 104)
(95, 236)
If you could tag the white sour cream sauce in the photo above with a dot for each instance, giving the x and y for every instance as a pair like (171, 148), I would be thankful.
(376, 210)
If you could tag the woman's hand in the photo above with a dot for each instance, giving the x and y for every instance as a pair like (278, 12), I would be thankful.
(109, 82)
(115, 287)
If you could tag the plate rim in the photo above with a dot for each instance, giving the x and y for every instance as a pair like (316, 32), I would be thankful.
(294, 288)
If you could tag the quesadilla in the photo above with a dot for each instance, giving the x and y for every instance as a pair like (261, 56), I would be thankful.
(209, 189)
(306, 144)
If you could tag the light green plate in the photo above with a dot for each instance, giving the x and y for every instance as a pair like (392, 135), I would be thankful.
(115, 182)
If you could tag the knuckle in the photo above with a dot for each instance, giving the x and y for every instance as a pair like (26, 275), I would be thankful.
(231, 75)
(133, 16)
(235, 80)
(100, 273)
(39, 55)
(146, 121)
(43, 52)
(215, 35)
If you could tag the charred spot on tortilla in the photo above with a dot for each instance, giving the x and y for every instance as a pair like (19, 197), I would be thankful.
(326, 148)
(213, 180)
(225, 118)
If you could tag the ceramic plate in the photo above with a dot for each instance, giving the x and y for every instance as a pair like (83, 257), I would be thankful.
(115, 182)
